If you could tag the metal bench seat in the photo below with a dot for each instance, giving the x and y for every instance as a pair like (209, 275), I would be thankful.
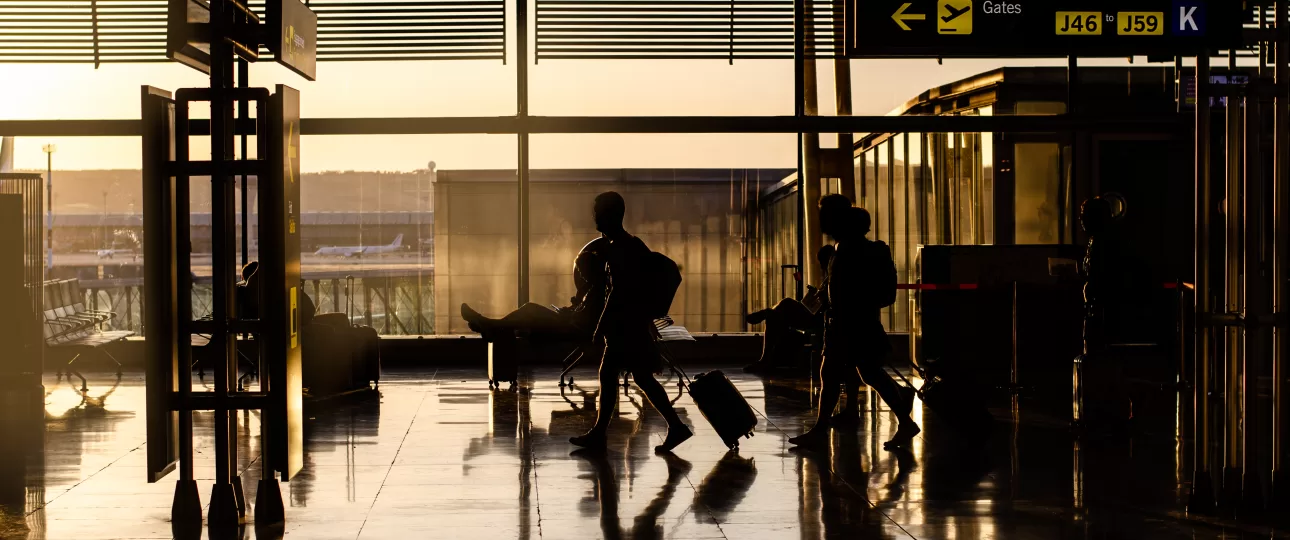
(69, 324)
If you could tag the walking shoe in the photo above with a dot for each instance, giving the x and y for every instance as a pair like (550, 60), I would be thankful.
(815, 439)
(590, 440)
(675, 436)
(904, 435)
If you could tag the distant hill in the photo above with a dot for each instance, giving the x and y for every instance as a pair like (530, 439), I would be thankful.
(83, 192)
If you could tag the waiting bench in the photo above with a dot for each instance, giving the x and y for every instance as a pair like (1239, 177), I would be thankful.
(69, 324)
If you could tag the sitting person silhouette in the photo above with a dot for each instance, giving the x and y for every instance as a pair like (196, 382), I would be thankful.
(627, 329)
(247, 295)
(577, 321)
(789, 315)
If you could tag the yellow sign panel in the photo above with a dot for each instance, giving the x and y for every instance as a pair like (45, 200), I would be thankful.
(294, 319)
(1079, 23)
(954, 17)
(1140, 23)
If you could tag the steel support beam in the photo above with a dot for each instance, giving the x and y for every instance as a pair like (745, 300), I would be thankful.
(522, 145)
(1281, 258)
(637, 124)
(1201, 499)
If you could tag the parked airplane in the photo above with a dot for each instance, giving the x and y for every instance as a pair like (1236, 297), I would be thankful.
(358, 251)
(110, 253)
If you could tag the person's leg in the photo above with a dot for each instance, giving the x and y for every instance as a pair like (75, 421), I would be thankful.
(872, 371)
(830, 381)
(529, 317)
(595, 438)
(677, 431)
(771, 344)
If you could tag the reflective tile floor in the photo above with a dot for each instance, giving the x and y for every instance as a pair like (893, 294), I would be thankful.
(437, 454)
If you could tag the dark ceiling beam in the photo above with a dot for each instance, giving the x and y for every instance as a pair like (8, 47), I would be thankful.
(637, 124)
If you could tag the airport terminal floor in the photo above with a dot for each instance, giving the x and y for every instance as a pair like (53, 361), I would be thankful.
(438, 454)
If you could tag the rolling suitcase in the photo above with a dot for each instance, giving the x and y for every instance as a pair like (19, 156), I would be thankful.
(367, 356)
(502, 363)
(723, 406)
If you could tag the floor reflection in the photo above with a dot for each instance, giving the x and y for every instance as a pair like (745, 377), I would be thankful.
(440, 455)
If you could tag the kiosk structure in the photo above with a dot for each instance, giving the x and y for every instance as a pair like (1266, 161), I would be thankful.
(208, 37)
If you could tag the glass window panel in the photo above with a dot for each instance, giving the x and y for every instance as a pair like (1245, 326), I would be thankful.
(966, 195)
(933, 163)
(1038, 175)
(985, 143)
(880, 201)
(916, 190)
(696, 215)
(434, 235)
(900, 231)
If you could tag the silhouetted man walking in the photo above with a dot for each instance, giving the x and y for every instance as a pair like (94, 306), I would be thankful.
(853, 336)
(627, 329)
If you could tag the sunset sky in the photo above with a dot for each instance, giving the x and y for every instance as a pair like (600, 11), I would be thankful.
(485, 88)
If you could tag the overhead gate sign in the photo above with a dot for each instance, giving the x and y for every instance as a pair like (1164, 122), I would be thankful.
(1039, 28)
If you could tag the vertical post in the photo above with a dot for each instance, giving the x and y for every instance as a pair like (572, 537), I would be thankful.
(1254, 297)
(183, 249)
(223, 512)
(799, 111)
(846, 141)
(49, 205)
(1233, 427)
(244, 116)
(810, 268)
(1281, 268)
(522, 163)
(1072, 109)
(1202, 494)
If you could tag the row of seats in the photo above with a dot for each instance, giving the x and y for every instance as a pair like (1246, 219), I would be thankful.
(69, 323)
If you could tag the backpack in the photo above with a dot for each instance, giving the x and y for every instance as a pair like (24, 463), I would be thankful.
(663, 280)
(884, 274)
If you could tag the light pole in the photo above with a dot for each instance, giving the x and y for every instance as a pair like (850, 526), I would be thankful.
(49, 205)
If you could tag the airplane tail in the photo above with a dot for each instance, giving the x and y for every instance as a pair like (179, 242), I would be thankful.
(398, 241)
(6, 154)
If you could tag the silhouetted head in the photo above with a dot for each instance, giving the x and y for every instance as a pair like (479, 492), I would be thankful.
(609, 211)
(249, 270)
(589, 267)
(859, 220)
(833, 218)
(1095, 215)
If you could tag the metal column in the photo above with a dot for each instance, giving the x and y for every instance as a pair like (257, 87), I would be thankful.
(799, 111)
(846, 141)
(810, 175)
(522, 144)
(1233, 302)
(1281, 264)
(223, 512)
(1255, 301)
(244, 115)
(1201, 499)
